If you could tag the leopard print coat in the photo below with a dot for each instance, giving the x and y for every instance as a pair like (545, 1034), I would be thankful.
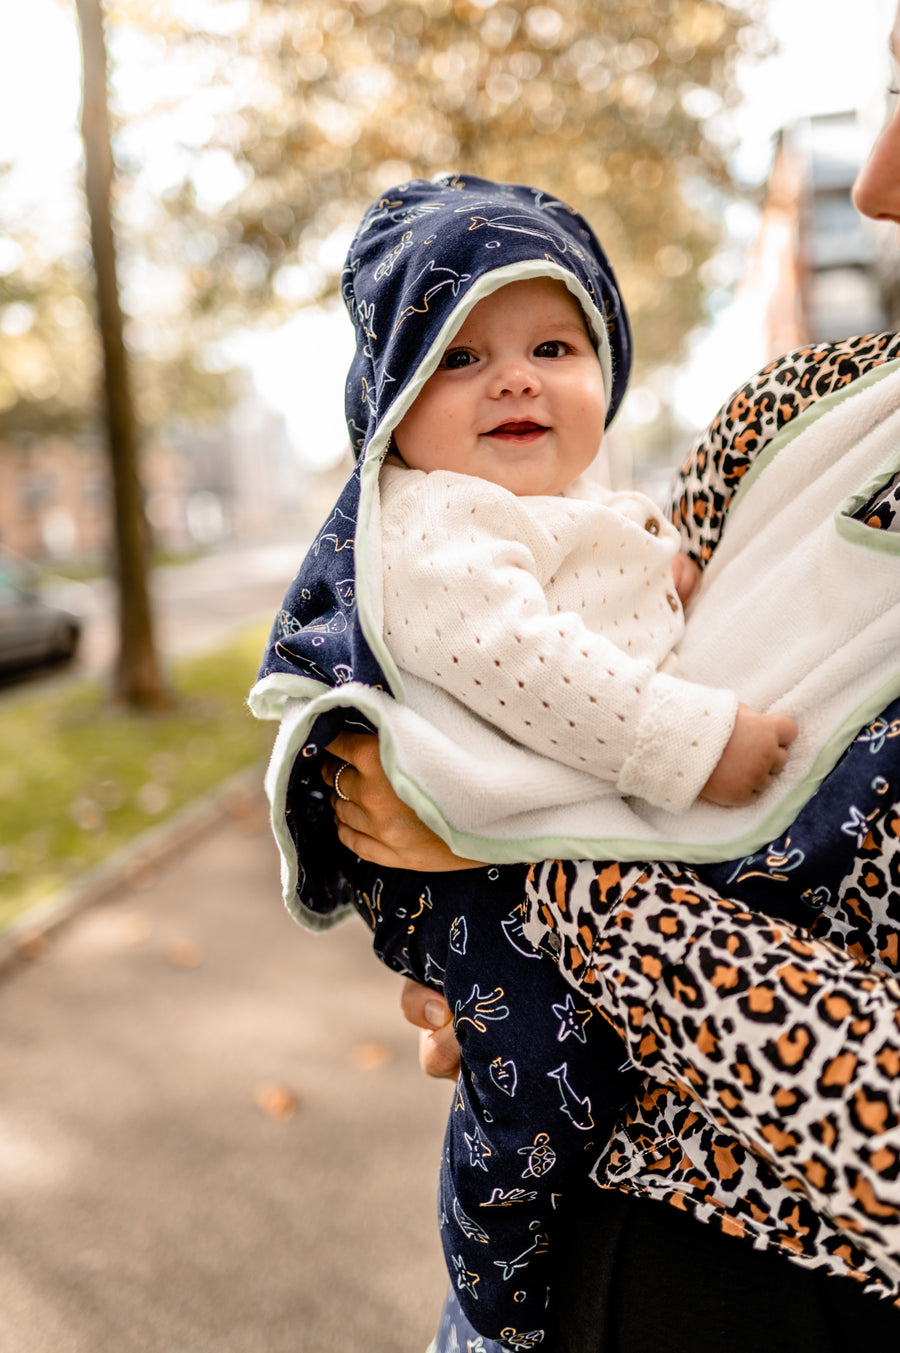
(770, 1103)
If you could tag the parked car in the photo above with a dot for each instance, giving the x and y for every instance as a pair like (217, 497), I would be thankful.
(31, 630)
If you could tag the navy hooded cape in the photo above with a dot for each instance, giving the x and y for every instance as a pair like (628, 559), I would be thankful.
(424, 255)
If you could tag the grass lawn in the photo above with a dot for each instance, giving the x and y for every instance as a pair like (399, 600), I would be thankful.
(79, 780)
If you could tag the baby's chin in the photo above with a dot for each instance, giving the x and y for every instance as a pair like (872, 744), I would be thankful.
(529, 482)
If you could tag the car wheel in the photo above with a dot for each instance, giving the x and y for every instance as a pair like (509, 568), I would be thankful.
(67, 645)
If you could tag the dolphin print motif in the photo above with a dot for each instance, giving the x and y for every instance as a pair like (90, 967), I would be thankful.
(579, 1110)
(443, 277)
(433, 972)
(306, 665)
(386, 266)
(468, 1227)
(537, 1246)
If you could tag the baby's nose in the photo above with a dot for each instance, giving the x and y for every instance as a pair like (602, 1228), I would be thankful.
(516, 378)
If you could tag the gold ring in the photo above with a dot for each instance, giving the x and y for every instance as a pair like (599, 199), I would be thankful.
(337, 781)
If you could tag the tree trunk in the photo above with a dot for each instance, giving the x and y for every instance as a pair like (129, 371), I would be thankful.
(138, 677)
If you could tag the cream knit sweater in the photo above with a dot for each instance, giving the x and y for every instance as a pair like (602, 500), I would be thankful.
(553, 619)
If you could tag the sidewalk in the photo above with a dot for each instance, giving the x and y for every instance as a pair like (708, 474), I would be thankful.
(214, 1135)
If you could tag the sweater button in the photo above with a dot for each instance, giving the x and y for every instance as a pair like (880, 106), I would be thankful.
(672, 600)
(652, 525)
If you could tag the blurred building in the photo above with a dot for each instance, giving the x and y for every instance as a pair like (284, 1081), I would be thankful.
(240, 480)
(819, 268)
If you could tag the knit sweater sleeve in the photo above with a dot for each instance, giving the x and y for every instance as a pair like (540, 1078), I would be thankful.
(465, 608)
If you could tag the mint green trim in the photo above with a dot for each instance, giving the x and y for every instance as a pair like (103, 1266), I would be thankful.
(527, 849)
(806, 419)
(486, 285)
(362, 550)
(856, 532)
(867, 537)
(266, 700)
(492, 850)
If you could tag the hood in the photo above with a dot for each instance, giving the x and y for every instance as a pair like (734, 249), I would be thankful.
(424, 255)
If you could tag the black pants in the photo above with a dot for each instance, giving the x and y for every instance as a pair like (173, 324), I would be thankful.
(637, 1276)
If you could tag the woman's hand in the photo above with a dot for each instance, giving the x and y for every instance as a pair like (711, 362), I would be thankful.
(430, 1013)
(372, 821)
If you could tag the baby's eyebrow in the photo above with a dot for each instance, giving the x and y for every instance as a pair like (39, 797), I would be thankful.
(569, 322)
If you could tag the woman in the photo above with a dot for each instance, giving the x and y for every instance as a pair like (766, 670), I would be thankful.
(641, 1272)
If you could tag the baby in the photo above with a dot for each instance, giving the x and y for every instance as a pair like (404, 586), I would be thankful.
(550, 615)
(492, 351)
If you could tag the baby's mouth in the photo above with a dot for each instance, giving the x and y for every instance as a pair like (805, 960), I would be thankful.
(519, 430)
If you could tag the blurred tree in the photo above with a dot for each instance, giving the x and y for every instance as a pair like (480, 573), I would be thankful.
(48, 375)
(138, 676)
(50, 358)
(299, 114)
(250, 134)
(614, 105)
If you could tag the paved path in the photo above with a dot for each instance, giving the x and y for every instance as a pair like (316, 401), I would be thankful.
(156, 1193)
(195, 604)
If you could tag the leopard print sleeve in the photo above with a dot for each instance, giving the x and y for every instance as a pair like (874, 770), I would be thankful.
(769, 1106)
(748, 421)
(779, 1048)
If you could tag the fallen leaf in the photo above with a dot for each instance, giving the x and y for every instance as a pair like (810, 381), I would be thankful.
(276, 1101)
(370, 1056)
(184, 954)
(245, 810)
(134, 927)
(35, 945)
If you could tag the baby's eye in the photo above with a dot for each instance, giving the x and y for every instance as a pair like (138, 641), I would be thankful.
(554, 347)
(456, 358)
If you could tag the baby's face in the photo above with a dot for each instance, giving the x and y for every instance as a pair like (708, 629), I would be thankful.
(518, 398)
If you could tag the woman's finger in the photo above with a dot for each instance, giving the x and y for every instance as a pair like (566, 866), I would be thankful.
(360, 750)
(422, 1006)
(372, 820)
(330, 767)
(368, 847)
(438, 1048)
(439, 1053)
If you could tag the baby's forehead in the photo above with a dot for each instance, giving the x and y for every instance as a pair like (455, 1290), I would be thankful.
(538, 298)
